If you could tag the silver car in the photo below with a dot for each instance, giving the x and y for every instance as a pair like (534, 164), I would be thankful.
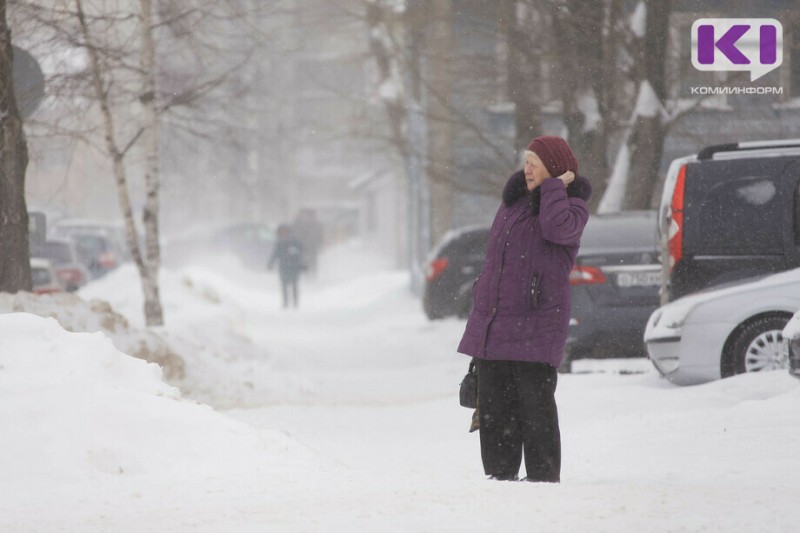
(724, 331)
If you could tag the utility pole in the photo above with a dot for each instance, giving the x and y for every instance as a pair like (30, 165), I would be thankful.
(439, 73)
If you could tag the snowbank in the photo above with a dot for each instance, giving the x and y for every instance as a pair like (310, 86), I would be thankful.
(78, 315)
(93, 440)
(73, 407)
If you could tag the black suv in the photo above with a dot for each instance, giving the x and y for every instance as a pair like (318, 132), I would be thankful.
(728, 213)
(451, 271)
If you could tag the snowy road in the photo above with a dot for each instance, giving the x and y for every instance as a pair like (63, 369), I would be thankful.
(357, 428)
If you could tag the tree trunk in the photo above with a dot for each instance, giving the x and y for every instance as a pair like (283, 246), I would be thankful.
(153, 312)
(649, 131)
(647, 146)
(523, 62)
(584, 52)
(15, 267)
(386, 61)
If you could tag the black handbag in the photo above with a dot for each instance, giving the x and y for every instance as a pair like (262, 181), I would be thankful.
(468, 393)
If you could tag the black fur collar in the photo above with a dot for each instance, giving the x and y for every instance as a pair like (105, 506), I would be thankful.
(516, 188)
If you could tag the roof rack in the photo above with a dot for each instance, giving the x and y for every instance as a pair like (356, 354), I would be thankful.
(709, 151)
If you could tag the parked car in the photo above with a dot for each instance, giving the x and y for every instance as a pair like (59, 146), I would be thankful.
(729, 213)
(113, 229)
(96, 251)
(451, 271)
(724, 331)
(101, 245)
(791, 335)
(614, 286)
(63, 255)
(44, 277)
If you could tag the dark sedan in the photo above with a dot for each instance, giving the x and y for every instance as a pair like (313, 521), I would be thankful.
(63, 255)
(451, 271)
(615, 283)
(615, 286)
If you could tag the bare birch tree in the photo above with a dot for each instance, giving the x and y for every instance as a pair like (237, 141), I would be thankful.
(101, 80)
(148, 269)
(119, 77)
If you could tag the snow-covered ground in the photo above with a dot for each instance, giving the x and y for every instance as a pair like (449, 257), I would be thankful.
(343, 416)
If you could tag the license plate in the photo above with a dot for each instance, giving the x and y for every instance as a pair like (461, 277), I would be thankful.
(638, 279)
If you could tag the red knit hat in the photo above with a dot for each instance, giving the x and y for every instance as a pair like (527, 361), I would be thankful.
(555, 154)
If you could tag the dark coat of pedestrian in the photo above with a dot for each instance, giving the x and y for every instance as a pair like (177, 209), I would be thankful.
(288, 253)
(517, 328)
(309, 231)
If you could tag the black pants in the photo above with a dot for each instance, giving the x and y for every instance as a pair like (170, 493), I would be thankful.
(289, 290)
(518, 413)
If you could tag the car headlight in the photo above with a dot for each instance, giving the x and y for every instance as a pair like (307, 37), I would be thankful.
(673, 322)
(657, 317)
(673, 318)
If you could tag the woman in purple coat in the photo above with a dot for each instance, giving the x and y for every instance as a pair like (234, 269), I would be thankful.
(517, 328)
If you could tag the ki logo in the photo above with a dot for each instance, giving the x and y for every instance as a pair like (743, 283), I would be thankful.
(754, 45)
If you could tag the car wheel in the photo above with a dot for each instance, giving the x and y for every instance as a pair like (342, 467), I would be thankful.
(433, 314)
(757, 346)
(432, 310)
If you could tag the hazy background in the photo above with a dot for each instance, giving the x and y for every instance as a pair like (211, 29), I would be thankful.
(393, 120)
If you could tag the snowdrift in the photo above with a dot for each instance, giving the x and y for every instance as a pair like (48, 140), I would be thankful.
(73, 407)
(78, 315)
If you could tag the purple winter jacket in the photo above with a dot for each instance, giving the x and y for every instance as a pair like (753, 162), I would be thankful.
(521, 299)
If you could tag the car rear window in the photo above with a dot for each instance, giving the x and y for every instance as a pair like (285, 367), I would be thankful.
(90, 246)
(58, 253)
(40, 276)
(469, 242)
(615, 232)
(741, 215)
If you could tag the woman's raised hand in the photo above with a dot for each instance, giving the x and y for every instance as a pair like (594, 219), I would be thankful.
(567, 177)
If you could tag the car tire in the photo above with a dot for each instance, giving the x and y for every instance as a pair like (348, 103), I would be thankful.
(433, 314)
(431, 309)
(757, 345)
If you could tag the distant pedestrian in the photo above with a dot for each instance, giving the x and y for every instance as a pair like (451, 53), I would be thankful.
(288, 252)
(309, 231)
(517, 328)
